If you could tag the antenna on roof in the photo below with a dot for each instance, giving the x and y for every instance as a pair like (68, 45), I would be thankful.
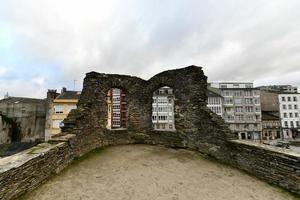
(74, 84)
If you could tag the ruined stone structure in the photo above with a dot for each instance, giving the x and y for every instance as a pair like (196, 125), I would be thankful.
(196, 128)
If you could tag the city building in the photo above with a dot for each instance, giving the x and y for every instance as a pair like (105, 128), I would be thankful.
(280, 88)
(289, 106)
(215, 100)
(22, 119)
(163, 109)
(59, 106)
(116, 105)
(241, 108)
(271, 128)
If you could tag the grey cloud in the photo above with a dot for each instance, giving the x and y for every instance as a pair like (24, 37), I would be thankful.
(232, 40)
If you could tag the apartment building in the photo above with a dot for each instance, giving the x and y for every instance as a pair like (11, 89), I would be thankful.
(59, 106)
(271, 128)
(116, 105)
(241, 108)
(215, 100)
(289, 106)
(163, 109)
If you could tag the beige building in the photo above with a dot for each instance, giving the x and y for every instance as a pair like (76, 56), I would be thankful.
(59, 106)
(270, 115)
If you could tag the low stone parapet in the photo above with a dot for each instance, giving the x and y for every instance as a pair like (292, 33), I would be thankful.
(275, 165)
(25, 171)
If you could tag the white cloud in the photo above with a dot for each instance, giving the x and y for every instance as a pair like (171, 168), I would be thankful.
(3, 71)
(39, 81)
(233, 40)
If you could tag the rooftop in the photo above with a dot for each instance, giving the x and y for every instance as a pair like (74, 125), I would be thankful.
(69, 95)
(21, 100)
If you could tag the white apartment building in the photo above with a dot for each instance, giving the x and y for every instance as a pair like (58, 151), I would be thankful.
(289, 107)
(163, 109)
(241, 108)
(215, 100)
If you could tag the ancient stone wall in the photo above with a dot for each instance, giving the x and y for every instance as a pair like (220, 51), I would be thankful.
(196, 126)
(25, 171)
(273, 164)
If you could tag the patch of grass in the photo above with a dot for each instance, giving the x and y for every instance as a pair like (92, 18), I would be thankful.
(34, 149)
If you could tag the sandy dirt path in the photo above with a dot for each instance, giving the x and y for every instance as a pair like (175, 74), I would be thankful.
(140, 172)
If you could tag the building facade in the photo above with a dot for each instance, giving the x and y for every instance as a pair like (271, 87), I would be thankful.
(163, 109)
(242, 108)
(271, 128)
(289, 104)
(22, 119)
(116, 105)
(215, 100)
(59, 106)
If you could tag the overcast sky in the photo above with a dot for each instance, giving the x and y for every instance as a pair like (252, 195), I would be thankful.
(49, 43)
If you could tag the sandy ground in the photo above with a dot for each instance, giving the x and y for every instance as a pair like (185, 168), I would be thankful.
(139, 172)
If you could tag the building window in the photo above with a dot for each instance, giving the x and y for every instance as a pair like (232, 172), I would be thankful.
(297, 123)
(286, 124)
(290, 107)
(257, 109)
(227, 93)
(116, 112)
(228, 100)
(249, 108)
(296, 115)
(282, 98)
(59, 109)
(285, 115)
(292, 123)
(248, 93)
(256, 101)
(223, 86)
(295, 99)
(284, 107)
(239, 117)
(291, 115)
(289, 98)
(57, 123)
(296, 106)
(237, 93)
(163, 108)
(248, 101)
(236, 85)
(239, 109)
(238, 101)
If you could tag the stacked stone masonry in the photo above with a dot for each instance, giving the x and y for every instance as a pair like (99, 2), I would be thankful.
(197, 128)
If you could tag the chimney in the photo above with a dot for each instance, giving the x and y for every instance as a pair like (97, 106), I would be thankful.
(51, 95)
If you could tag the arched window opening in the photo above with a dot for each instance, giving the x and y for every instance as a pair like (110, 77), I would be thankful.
(163, 109)
(116, 104)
